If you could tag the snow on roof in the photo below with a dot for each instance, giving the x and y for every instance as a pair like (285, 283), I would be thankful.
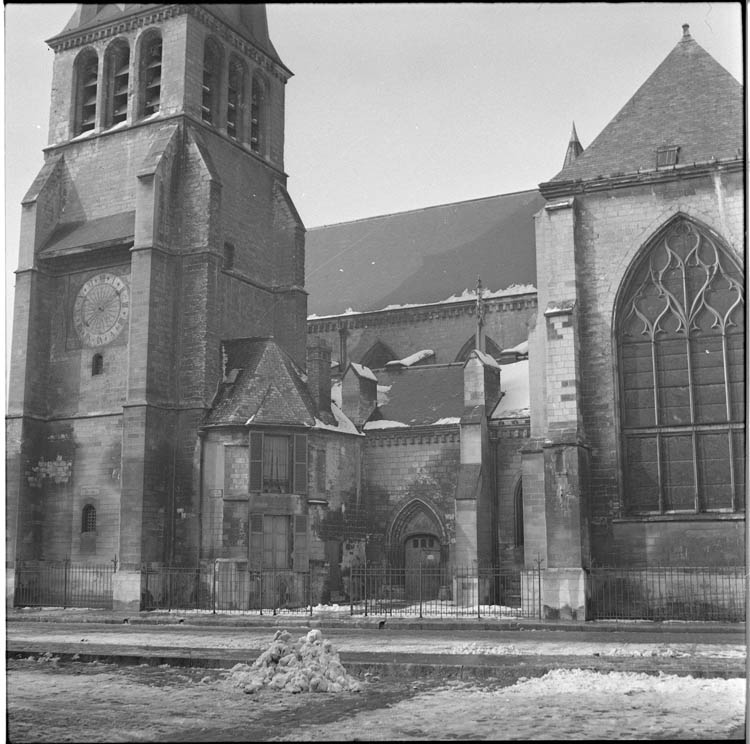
(465, 296)
(363, 371)
(412, 359)
(486, 358)
(515, 386)
(345, 426)
(384, 424)
(447, 420)
(336, 389)
(522, 348)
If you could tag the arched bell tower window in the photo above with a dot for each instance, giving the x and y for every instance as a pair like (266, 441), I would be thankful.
(680, 337)
(211, 80)
(87, 84)
(258, 114)
(235, 95)
(117, 76)
(149, 73)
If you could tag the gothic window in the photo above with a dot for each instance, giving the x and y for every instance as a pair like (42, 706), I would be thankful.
(149, 74)
(97, 365)
(87, 83)
(88, 519)
(258, 114)
(210, 89)
(278, 463)
(378, 355)
(117, 76)
(680, 338)
(489, 346)
(235, 91)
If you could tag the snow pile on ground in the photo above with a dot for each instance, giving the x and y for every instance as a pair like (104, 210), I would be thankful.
(310, 664)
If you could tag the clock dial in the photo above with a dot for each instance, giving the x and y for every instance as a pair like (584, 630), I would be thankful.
(101, 309)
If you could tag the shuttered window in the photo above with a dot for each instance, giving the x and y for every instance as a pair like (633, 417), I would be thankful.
(87, 85)
(680, 339)
(278, 463)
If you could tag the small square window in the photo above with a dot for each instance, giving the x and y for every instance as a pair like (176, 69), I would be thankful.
(666, 155)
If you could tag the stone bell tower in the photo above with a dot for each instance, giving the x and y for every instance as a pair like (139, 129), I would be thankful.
(158, 225)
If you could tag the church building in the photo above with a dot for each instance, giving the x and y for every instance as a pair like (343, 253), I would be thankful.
(193, 384)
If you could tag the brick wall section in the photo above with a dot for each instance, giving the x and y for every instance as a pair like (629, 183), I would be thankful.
(443, 329)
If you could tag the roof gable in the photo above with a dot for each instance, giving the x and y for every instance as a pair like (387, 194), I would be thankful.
(262, 385)
(689, 101)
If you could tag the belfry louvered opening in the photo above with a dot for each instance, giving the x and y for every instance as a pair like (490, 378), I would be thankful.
(680, 335)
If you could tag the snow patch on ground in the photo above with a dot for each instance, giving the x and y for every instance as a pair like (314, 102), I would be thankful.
(310, 664)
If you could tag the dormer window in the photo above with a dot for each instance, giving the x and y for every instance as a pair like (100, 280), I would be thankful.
(666, 155)
(87, 83)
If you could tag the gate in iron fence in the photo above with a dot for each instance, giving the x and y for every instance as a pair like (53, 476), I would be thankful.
(667, 593)
(435, 592)
(63, 584)
(225, 586)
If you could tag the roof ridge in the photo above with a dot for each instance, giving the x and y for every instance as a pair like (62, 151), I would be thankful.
(421, 209)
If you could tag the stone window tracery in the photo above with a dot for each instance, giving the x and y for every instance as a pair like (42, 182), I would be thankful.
(681, 367)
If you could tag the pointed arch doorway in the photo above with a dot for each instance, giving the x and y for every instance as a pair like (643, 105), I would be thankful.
(419, 545)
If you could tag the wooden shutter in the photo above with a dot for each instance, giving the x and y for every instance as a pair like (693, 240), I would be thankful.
(300, 554)
(256, 461)
(300, 463)
(256, 542)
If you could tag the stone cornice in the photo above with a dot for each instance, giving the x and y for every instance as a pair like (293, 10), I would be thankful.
(443, 434)
(516, 428)
(77, 38)
(418, 313)
(561, 189)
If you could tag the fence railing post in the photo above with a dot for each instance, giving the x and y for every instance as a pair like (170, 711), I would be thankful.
(213, 588)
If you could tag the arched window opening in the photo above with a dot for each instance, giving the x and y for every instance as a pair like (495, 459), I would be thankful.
(150, 74)
(117, 75)
(518, 515)
(378, 355)
(490, 347)
(211, 61)
(258, 105)
(88, 519)
(680, 336)
(97, 365)
(87, 83)
(235, 88)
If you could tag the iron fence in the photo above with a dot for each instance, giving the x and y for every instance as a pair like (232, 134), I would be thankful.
(432, 592)
(667, 593)
(63, 584)
(225, 586)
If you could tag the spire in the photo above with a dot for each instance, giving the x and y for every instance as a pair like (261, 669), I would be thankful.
(574, 147)
(479, 342)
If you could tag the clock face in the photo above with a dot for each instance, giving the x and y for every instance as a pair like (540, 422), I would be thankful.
(101, 309)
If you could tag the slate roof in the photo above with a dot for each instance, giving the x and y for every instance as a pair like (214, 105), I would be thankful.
(71, 237)
(424, 255)
(690, 100)
(266, 387)
(419, 396)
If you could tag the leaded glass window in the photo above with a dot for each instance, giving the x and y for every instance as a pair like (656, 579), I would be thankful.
(680, 339)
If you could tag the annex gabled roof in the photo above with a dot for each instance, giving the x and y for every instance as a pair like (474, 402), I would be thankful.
(262, 385)
(420, 396)
(689, 101)
(425, 255)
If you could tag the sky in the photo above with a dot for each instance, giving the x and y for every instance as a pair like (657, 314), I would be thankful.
(400, 106)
